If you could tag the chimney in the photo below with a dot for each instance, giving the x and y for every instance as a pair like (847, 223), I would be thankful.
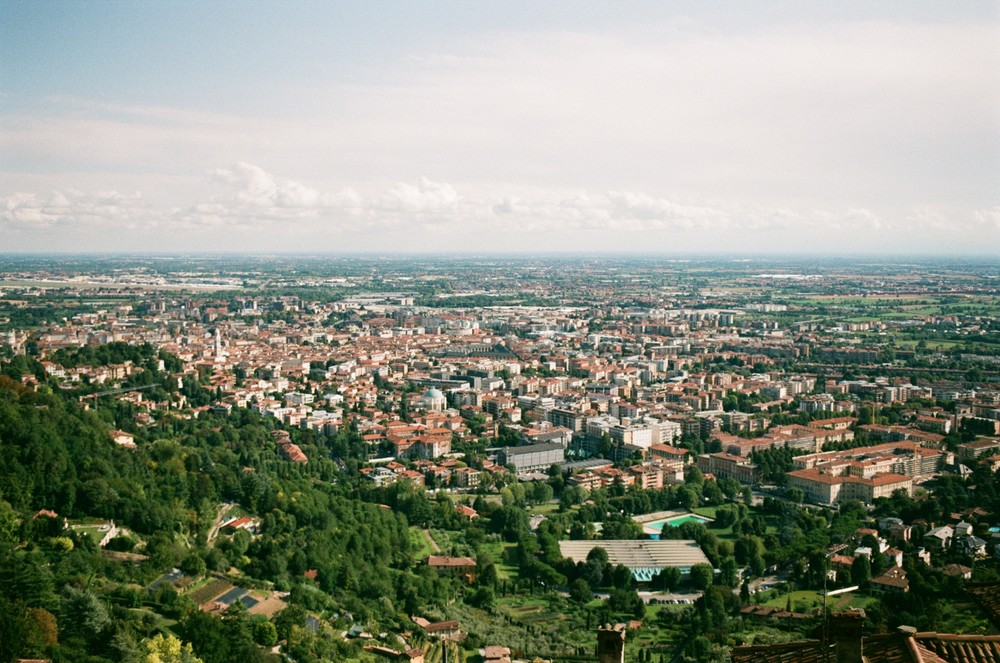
(610, 644)
(845, 631)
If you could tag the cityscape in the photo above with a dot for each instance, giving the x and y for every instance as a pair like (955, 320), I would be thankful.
(464, 331)
(482, 458)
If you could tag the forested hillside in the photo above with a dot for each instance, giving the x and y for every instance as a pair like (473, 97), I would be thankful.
(61, 597)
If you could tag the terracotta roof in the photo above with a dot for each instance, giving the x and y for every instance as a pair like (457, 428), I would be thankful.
(960, 648)
(988, 598)
(883, 648)
(791, 652)
(894, 577)
(442, 561)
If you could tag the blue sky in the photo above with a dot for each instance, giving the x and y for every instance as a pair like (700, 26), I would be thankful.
(504, 126)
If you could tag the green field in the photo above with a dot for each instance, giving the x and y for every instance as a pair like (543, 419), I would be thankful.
(809, 601)
(421, 546)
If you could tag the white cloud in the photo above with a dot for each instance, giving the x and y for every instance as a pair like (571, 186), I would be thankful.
(252, 197)
(425, 196)
(39, 212)
(988, 217)
(763, 138)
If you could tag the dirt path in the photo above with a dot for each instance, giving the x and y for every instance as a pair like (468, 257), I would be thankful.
(434, 546)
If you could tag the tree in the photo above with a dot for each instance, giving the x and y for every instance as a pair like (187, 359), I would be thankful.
(596, 566)
(727, 572)
(626, 601)
(702, 575)
(264, 632)
(580, 591)
(41, 629)
(168, 649)
(194, 565)
(484, 598)
(604, 447)
(669, 579)
(687, 498)
(861, 570)
(83, 615)
(13, 629)
(488, 576)
(292, 616)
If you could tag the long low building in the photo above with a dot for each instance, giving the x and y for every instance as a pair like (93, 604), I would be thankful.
(533, 457)
(645, 558)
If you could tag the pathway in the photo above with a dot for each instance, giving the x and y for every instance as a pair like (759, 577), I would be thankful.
(434, 546)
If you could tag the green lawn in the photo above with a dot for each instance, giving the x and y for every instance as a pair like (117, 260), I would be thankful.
(422, 548)
(801, 600)
(552, 506)
(93, 531)
(808, 601)
(495, 550)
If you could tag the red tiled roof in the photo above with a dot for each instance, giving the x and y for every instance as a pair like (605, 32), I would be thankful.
(883, 648)
(450, 562)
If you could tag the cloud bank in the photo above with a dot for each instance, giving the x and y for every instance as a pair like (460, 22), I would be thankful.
(675, 135)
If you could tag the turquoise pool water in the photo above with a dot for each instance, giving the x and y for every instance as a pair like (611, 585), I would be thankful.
(676, 521)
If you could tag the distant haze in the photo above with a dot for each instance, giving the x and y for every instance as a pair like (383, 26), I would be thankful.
(764, 127)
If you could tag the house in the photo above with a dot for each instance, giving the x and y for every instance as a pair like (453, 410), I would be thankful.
(122, 438)
(466, 477)
(446, 630)
(243, 523)
(957, 570)
(972, 546)
(380, 475)
(456, 566)
(293, 453)
(940, 537)
(495, 654)
(840, 564)
(893, 581)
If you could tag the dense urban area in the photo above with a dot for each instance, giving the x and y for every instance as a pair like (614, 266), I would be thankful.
(430, 460)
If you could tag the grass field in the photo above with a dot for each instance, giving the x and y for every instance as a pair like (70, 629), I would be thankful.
(809, 601)
(92, 531)
(422, 547)
(551, 506)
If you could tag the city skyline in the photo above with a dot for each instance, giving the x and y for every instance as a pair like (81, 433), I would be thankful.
(773, 128)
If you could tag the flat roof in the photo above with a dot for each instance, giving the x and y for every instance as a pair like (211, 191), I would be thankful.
(639, 553)
(532, 448)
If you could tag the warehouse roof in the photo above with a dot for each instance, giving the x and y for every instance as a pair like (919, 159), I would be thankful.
(641, 556)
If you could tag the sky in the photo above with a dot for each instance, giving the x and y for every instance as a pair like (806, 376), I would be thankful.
(503, 127)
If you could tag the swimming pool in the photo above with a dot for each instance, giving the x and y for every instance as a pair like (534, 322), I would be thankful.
(656, 527)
